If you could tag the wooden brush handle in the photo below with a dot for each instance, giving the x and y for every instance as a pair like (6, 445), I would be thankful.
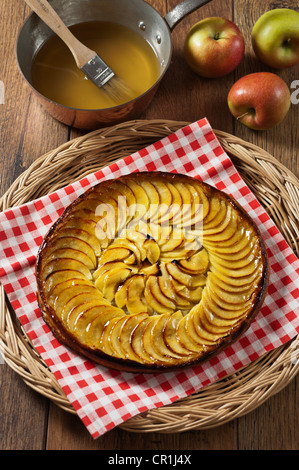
(43, 9)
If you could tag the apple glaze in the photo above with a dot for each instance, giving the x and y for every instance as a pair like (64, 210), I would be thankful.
(151, 271)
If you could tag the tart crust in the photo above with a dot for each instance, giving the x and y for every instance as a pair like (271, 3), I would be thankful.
(151, 271)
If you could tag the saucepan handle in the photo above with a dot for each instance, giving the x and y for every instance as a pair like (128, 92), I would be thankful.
(183, 9)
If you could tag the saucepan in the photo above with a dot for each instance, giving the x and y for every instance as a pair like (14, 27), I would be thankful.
(135, 14)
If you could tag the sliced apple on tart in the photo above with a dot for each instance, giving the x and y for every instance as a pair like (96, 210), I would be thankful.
(151, 272)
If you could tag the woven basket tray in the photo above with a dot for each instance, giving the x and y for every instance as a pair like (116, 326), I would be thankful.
(278, 191)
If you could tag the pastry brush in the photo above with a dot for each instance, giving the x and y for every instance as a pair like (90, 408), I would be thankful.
(87, 60)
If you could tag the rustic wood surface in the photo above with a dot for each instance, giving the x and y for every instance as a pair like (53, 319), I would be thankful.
(27, 420)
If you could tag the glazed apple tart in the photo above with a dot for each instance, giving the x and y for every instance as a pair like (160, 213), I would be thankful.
(151, 271)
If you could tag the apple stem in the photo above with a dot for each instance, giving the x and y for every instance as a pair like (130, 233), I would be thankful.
(242, 115)
(286, 42)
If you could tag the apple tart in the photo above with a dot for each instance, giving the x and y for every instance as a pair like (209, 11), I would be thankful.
(151, 271)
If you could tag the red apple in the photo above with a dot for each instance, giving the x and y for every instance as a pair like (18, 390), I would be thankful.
(214, 47)
(275, 38)
(259, 100)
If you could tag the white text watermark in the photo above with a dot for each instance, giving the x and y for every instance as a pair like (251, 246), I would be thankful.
(295, 93)
(175, 220)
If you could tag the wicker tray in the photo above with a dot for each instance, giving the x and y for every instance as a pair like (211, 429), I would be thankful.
(236, 395)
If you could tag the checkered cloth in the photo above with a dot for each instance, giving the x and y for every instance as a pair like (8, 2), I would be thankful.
(102, 397)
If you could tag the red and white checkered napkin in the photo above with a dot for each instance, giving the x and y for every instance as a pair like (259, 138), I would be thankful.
(104, 398)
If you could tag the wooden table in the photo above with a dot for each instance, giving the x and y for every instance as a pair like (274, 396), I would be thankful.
(29, 421)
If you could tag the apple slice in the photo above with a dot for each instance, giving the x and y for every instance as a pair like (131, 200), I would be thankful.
(248, 269)
(197, 209)
(70, 253)
(76, 244)
(225, 313)
(78, 317)
(238, 281)
(81, 221)
(199, 335)
(176, 204)
(176, 273)
(149, 343)
(125, 335)
(83, 216)
(240, 244)
(137, 342)
(187, 249)
(83, 235)
(137, 235)
(141, 198)
(253, 255)
(154, 199)
(215, 207)
(197, 263)
(115, 338)
(60, 286)
(230, 229)
(127, 192)
(203, 336)
(165, 286)
(166, 280)
(161, 233)
(159, 340)
(155, 297)
(105, 340)
(152, 250)
(181, 293)
(210, 324)
(216, 323)
(223, 283)
(226, 306)
(118, 188)
(242, 249)
(102, 269)
(125, 243)
(232, 297)
(91, 203)
(230, 243)
(174, 242)
(61, 276)
(111, 280)
(165, 202)
(113, 206)
(214, 292)
(114, 254)
(203, 200)
(217, 215)
(60, 264)
(193, 295)
(95, 327)
(183, 214)
(135, 295)
(170, 336)
(121, 294)
(216, 330)
(69, 292)
(77, 302)
(185, 338)
(107, 226)
(220, 227)
(150, 270)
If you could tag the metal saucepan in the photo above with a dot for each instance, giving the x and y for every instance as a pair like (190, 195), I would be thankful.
(136, 14)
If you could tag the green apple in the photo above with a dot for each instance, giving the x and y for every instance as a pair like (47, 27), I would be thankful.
(259, 100)
(214, 47)
(275, 38)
